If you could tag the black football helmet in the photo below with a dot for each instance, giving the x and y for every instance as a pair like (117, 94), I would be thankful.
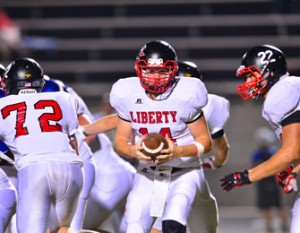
(266, 64)
(156, 54)
(23, 73)
(188, 69)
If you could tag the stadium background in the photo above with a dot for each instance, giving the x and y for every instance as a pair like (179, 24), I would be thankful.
(90, 44)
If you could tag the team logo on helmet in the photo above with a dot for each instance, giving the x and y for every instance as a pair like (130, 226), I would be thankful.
(27, 75)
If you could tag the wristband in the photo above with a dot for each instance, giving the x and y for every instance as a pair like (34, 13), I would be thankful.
(199, 148)
(82, 134)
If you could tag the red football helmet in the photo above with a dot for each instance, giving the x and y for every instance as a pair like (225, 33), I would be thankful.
(156, 66)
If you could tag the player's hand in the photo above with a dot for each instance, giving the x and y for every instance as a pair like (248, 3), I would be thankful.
(209, 163)
(236, 179)
(287, 180)
(167, 154)
(136, 151)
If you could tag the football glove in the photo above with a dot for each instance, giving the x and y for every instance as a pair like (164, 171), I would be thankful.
(208, 163)
(287, 180)
(236, 179)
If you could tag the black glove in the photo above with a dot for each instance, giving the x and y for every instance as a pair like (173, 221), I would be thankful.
(235, 179)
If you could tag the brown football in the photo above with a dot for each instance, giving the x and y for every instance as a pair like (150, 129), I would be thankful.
(152, 144)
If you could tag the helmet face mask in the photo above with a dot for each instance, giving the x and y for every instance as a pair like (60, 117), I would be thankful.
(25, 75)
(253, 88)
(261, 68)
(156, 66)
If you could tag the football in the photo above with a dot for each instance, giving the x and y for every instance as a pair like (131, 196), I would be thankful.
(152, 144)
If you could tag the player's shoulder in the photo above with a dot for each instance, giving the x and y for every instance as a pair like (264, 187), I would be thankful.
(286, 90)
(56, 94)
(218, 100)
(191, 89)
(191, 84)
(126, 86)
(217, 104)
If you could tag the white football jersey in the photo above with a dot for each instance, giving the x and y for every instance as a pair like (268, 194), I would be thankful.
(168, 114)
(282, 100)
(216, 112)
(81, 108)
(3, 176)
(36, 126)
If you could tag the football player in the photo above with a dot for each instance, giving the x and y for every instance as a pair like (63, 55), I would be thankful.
(204, 216)
(39, 129)
(85, 153)
(154, 102)
(109, 181)
(264, 71)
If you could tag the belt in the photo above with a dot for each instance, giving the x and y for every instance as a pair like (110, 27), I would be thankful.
(174, 169)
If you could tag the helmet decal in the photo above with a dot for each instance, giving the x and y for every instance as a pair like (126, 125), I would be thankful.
(155, 61)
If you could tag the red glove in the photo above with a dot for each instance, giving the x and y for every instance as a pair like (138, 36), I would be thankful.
(208, 163)
(287, 180)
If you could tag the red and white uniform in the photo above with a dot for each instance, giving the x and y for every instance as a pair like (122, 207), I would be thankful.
(216, 113)
(36, 128)
(282, 102)
(158, 191)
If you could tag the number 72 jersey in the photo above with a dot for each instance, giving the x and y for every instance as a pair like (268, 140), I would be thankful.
(36, 127)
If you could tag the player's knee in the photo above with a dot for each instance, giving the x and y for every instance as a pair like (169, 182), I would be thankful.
(171, 226)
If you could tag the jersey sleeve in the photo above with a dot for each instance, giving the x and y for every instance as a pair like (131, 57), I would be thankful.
(69, 112)
(219, 113)
(79, 106)
(281, 102)
(197, 99)
(117, 94)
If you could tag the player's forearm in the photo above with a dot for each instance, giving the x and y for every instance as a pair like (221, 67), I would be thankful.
(124, 148)
(102, 125)
(277, 163)
(221, 151)
(194, 150)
